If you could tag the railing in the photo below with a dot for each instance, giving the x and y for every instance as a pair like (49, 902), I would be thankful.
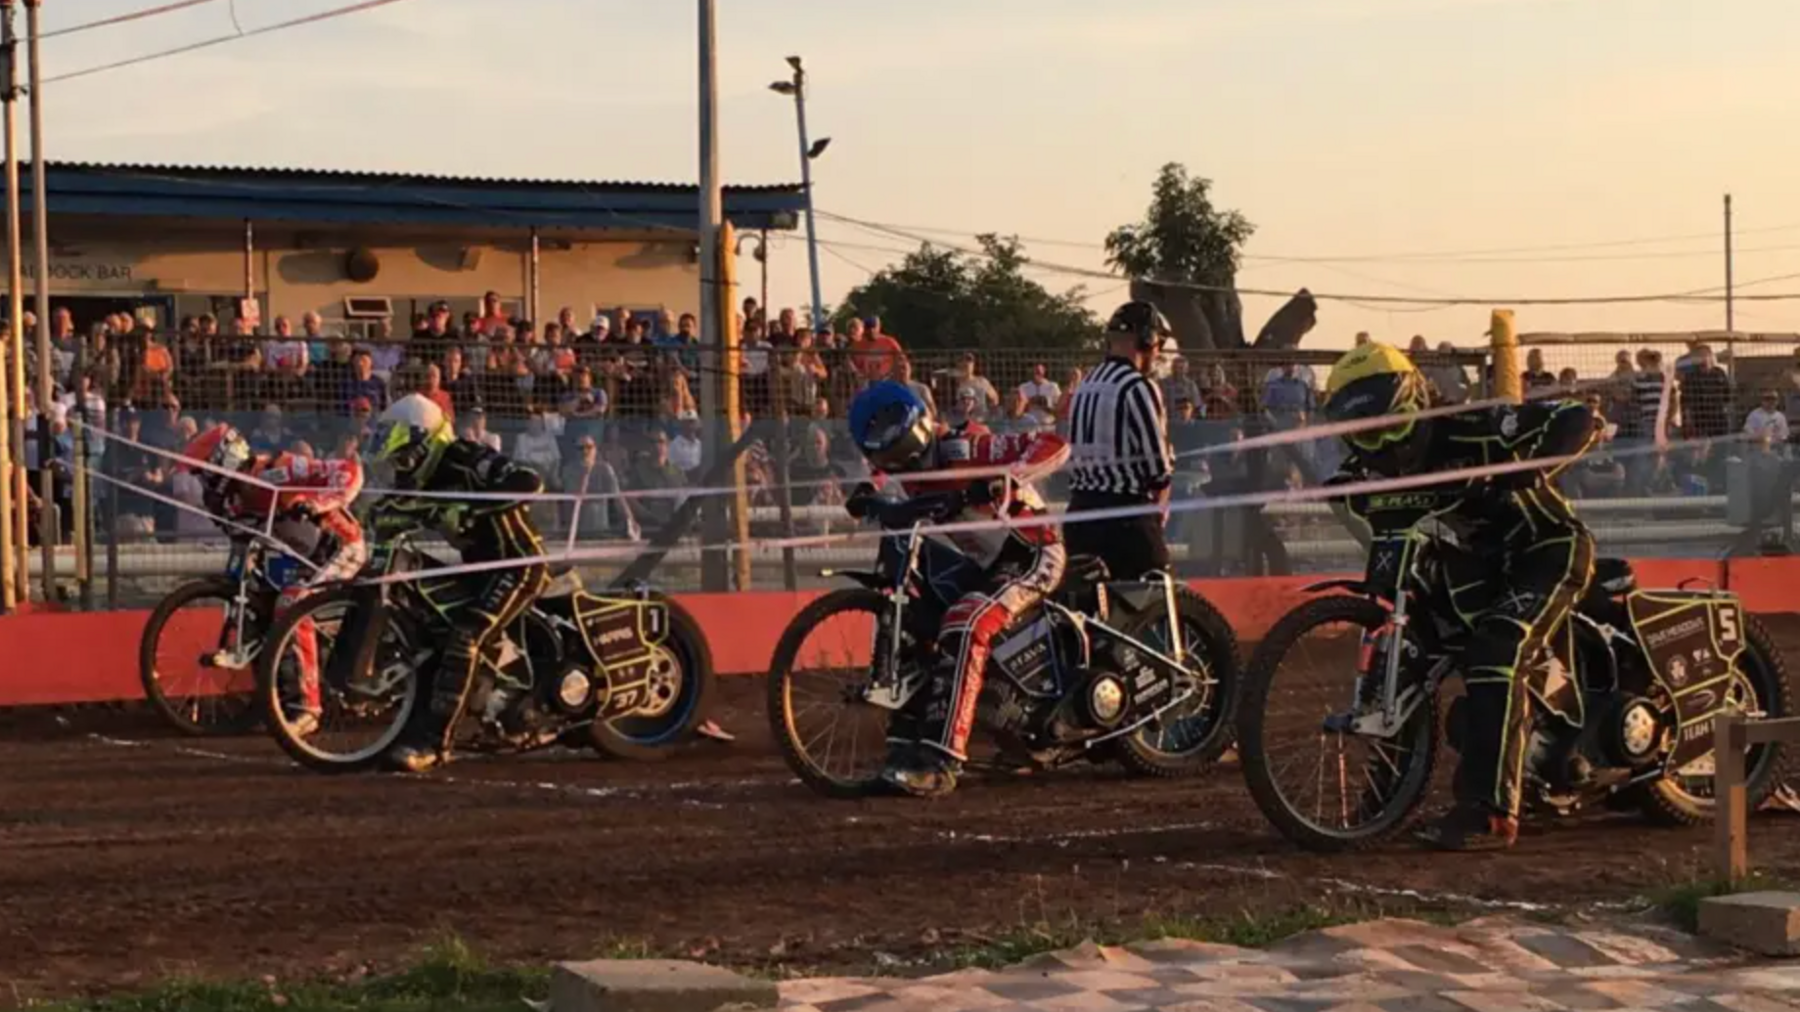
(1733, 736)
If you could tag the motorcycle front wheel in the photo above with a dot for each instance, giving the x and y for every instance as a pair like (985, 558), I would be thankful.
(355, 717)
(186, 634)
(832, 737)
(1328, 791)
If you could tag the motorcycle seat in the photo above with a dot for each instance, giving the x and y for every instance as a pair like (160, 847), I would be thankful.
(1614, 577)
(564, 580)
(1085, 571)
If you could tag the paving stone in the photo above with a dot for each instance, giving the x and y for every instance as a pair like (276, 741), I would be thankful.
(1564, 950)
(1765, 922)
(654, 985)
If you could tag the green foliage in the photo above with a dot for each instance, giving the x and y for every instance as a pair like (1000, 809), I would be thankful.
(1183, 237)
(940, 298)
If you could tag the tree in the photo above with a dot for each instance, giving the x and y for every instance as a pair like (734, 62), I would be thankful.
(1184, 240)
(941, 298)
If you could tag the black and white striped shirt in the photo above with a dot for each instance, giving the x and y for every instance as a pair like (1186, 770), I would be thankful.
(1119, 433)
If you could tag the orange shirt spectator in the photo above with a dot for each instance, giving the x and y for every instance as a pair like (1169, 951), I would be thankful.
(874, 356)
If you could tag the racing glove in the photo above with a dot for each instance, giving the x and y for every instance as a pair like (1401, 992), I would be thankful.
(864, 501)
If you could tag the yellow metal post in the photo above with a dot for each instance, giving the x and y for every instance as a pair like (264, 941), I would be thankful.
(730, 368)
(1504, 338)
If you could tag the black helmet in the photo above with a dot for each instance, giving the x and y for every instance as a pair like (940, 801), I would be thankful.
(1142, 320)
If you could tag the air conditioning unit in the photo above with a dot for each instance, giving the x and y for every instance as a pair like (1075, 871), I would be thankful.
(368, 307)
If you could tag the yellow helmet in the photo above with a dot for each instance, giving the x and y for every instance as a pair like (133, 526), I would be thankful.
(1373, 381)
(411, 439)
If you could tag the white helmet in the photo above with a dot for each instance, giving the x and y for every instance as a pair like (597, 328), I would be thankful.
(411, 436)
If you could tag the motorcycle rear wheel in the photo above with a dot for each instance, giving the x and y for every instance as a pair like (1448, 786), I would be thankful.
(679, 697)
(1190, 738)
(809, 756)
(1764, 688)
(385, 712)
(1412, 753)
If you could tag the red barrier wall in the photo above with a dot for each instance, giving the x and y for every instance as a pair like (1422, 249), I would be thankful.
(83, 658)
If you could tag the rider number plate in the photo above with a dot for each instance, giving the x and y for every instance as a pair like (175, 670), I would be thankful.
(1690, 641)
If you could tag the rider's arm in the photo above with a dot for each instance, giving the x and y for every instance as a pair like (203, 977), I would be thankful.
(1551, 429)
(496, 473)
(1032, 455)
(1347, 508)
(320, 487)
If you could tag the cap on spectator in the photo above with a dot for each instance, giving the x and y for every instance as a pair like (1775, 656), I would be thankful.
(871, 322)
(440, 306)
(688, 416)
(601, 322)
(362, 404)
(478, 411)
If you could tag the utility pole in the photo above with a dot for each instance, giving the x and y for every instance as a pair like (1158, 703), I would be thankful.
(1730, 294)
(40, 234)
(713, 568)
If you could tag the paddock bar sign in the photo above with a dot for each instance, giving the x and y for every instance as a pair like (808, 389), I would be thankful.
(83, 272)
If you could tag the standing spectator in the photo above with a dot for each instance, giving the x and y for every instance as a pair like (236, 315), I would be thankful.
(1040, 387)
(968, 381)
(1647, 394)
(684, 344)
(872, 354)
(1568, 381)
(685, 449)
(803, 372)
(156, 373)
(903, 371)
(385, 353)
(1621, 395)
(285, 361)
(1178, 386)
(270, 434)
(584, 399)
(652, 471)
(565, 319)
(1287, 396)
(492, 315)
(1448, 378)
(1536, 379)
(363, 384)
(1362, 338)
(313, 325)
(1705, 396)
(537, 448)
(62, 343)
(753, 358)
(438, 333)
(608, 514)
(786, 332)
(1766, 423)
(463, 386)
(331, 375)
(1218, 398)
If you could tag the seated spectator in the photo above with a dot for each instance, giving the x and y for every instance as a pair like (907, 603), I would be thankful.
(1767, 425)
(1218, 398)
(463, 386)
(685, 450)
(1568, 381)
(903, 372)
(1448, 378)
(675, 396)
(754, 363)
(301, 449)
(330, 377)
(285, 359)
(1705, 396)
(476, 431)
(1598, 473)
(385, 353)
(433, 389)
(652, 471)
(584, 399)
(683, 345)
(359, 432)
(815, 480)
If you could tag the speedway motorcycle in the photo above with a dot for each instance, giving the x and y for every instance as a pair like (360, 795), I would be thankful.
(197, 652)
(627, 675)
(1143, 674)
(1340, 752)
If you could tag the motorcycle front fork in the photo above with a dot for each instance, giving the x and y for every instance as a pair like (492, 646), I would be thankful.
(1380, 707)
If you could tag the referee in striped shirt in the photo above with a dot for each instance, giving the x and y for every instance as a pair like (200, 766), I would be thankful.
(1120, 455)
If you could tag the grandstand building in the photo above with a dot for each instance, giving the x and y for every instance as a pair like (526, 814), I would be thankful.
(356, 247)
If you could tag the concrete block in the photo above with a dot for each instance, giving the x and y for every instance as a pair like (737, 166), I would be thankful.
(1766, 923)
(654, 985)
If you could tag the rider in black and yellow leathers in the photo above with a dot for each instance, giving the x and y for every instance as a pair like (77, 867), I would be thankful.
(494, 526)
(1530, 563)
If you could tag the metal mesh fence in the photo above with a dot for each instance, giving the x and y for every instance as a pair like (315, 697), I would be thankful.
(609, 418)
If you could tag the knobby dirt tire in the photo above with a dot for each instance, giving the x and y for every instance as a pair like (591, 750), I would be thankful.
(247, 715)
(650, 739)
(1218, 644)
(781, 670)
(1664, 803)
(1258, 680)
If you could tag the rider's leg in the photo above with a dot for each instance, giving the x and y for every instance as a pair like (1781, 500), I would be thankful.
(1543, 583)
(965, 641)
(504, 595)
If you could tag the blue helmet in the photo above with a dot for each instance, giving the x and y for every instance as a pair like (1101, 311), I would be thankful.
(891, 426)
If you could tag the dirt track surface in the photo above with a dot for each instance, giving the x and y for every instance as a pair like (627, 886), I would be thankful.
(127, 855)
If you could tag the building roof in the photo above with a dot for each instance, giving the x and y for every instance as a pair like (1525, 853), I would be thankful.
(334, 196)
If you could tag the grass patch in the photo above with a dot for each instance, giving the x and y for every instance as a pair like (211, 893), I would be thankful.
(1680, 901)
(449, 977)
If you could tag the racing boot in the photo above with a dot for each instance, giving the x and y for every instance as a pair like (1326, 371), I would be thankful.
(408, 757)
(1469, 826)
(922, 771)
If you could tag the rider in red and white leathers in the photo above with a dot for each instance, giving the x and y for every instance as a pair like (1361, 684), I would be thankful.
(309, 498)
(1023, 564)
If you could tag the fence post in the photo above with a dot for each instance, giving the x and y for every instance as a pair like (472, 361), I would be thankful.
(1729, 796)
(79, 528)
(1504, 336)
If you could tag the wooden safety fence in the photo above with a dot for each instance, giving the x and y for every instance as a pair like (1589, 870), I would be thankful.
(1734, 735)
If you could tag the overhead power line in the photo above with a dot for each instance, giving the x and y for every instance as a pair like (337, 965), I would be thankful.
(336, 12)
(148, 12)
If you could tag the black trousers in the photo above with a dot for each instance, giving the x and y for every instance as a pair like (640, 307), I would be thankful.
(1130, 546)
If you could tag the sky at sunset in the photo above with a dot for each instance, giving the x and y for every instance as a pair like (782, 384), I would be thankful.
(1383, 147)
